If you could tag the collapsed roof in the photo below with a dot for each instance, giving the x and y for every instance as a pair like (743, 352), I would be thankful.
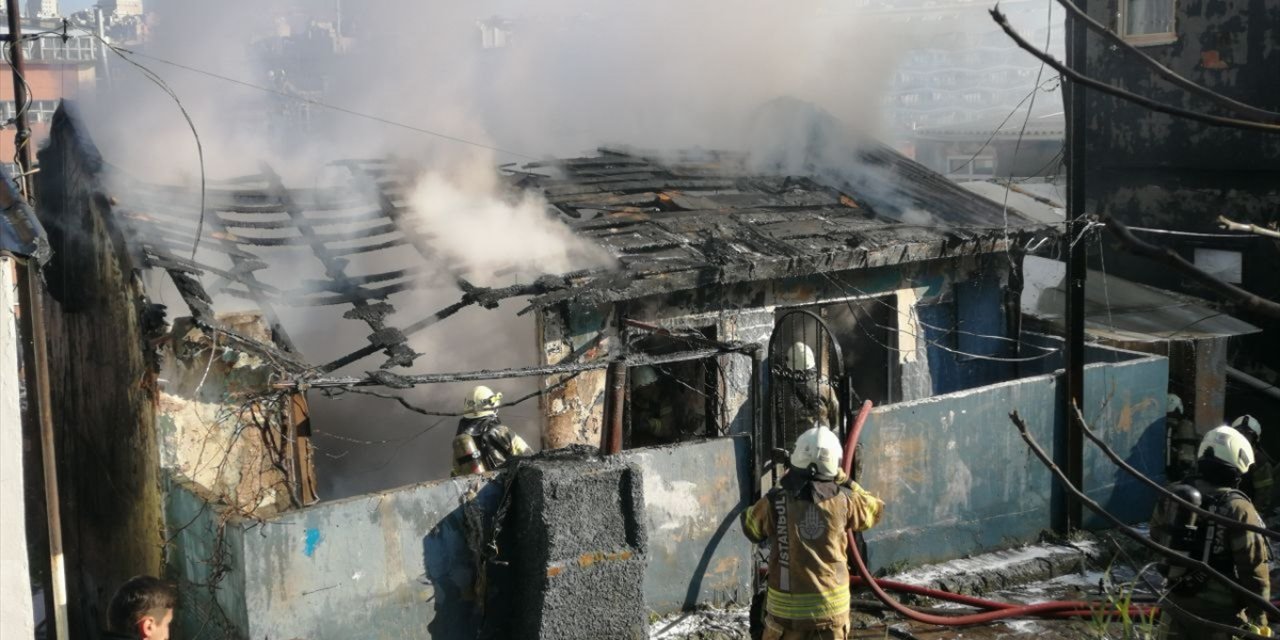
(672, 224)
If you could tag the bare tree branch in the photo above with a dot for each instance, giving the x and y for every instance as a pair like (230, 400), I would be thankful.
(1231, 225)
(1245, 595)
(1170, 257)
(1166, 72)
(1083, 80)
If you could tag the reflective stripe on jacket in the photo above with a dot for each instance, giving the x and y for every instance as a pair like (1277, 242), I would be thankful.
(808, 560)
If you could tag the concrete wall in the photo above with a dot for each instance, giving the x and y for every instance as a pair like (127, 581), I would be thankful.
(693, 495)
(399, 564)
(388, 565)
(957, 478)
(15, 579)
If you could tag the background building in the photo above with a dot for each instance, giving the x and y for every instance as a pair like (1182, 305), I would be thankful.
(55, 70)
(122, 7)
(1155, 171)
(42, 8)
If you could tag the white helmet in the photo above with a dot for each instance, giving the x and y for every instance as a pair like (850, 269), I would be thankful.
(483, 401)
(1248, 422)
(800, 358)
(818, 450)
(1175, 404)
(644, 376)
(1228, 445)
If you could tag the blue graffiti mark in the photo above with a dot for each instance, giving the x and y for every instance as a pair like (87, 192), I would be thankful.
(311, 541)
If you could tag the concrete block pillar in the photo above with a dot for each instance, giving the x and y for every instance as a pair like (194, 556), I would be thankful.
(582, 549)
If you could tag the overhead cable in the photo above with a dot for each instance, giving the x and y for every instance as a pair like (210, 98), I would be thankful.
(1083, 80)
(1164, 72)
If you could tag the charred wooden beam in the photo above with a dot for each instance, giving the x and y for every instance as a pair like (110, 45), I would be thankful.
(398, 353)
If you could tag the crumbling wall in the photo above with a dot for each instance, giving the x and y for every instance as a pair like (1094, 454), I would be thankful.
(216, 428)
(574, 404)
(103, 383)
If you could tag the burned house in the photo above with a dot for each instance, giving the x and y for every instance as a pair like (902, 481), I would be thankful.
(730, 284)
(1170, 178)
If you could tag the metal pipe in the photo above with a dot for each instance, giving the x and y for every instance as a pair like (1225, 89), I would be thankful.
(35, 337)
(1077, 270)
(393, 380)
(757, 422)
(22, 140)
(611, 437)
(1261, 386)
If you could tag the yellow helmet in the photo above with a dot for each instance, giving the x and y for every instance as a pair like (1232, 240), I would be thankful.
(482, 402)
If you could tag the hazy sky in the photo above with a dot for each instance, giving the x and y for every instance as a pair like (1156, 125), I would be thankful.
(72, 6)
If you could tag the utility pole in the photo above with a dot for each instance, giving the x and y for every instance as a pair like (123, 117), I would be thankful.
(35, 337)
(1077, 42)
(22, 141)
(104, 60)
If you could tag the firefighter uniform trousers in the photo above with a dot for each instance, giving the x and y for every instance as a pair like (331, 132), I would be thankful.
(808, 597)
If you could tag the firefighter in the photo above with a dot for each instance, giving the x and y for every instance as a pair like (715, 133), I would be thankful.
(806, 520)
(1182, 441)
(483, 443)
(1224, 457)
(1259, 482)
(809, 393)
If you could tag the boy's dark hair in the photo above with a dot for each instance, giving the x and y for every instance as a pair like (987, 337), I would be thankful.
(141, 596)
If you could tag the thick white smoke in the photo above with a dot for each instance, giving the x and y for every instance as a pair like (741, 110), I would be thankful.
(575, 74)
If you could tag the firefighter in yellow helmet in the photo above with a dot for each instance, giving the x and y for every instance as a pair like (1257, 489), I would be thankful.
(483, 443)
(1259, 481)
(806, 520)
(1223, 458)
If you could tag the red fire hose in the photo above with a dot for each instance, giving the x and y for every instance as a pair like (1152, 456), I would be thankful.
(995, 610)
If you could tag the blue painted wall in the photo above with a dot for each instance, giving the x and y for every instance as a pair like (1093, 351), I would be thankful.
(958, 479)
(397, 564)
(693, 495)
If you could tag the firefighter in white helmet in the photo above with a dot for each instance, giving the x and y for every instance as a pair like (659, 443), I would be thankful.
(1259, 482)
(1224, 457)
(483, 443)
(806, 520)
(808, 394)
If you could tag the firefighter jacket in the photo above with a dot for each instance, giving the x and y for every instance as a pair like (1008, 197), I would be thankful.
(1259, 483)
(1241, 555)
(484, 444)
(809, 402)
(806, 523)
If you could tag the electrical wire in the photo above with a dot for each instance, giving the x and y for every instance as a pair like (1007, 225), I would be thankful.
(996, 131)
(164, 86)
(324, 105)
(1128, 96)
(1049, 351)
